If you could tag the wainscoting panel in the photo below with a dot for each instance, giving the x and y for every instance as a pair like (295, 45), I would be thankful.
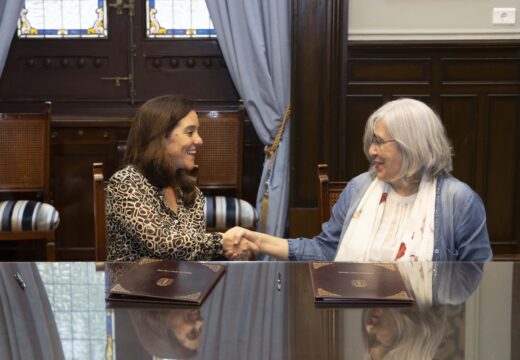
(413, 71)
(502, 185)
(358, 109)
(460, 114)
(481, 71)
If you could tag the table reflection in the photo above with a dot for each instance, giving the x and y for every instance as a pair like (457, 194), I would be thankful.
(61, 313)
(418, 331)
(165, 333)
(242, 318)
(27, 327)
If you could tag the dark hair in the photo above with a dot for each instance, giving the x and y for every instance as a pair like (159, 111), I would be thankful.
(145, 150)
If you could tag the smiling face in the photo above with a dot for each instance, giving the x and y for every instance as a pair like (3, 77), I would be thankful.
(386, 157)
(182, 142)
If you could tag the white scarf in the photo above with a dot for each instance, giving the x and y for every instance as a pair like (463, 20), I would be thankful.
(417, 240)
(418, 277)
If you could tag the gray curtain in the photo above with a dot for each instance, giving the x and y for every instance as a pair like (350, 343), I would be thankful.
(9, 13)
(247, 316)
(27, 326)
(254, 36)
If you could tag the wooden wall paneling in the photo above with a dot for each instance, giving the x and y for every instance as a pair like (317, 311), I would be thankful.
(75, 146)
(74, 236)
(460, 117)
(427, 99)
(306, 98)
(317, 60)
(389, 71)
(30, 250)
(169, 73)
(304, 222)
(336, 31)
(484, 71)
(37, 70)
(501, 196)
(306, 341)
(31, 82)
(358, 109)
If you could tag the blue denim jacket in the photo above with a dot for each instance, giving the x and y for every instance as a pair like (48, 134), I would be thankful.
(460, 224)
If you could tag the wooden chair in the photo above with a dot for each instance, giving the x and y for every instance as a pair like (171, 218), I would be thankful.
(329, 192)
(220, 158)
(100, 225)
(24, 167)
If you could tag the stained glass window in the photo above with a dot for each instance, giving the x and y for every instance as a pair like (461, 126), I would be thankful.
(63, 19)
(178, 19)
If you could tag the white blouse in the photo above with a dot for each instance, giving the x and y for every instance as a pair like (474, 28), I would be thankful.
(393, 222)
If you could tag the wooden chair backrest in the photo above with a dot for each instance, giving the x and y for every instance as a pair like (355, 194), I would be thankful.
(220, 158)
(25, 153)
(24, 167)
(100, 227)
(329, 192)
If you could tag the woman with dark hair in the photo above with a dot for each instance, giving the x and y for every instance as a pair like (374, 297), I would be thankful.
(154, 208)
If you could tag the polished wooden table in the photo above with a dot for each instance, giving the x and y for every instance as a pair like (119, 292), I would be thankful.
(259, 310)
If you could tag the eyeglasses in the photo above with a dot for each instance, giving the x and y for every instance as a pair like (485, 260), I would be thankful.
(378, 142)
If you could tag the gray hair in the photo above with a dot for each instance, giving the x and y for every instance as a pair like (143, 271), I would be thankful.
(418, 333)
(420, 135)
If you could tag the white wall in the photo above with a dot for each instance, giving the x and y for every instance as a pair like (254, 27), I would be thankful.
(429, 20)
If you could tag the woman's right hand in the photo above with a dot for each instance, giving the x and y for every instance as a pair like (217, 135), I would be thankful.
(237, 244)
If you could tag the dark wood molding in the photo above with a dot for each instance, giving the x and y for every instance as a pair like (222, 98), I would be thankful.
(479, 44)
(318, 57)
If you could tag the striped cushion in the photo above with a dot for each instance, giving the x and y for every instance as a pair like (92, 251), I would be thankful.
(24, 215)
(224, 212)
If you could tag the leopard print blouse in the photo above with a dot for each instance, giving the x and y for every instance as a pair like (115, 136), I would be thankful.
(140, 224)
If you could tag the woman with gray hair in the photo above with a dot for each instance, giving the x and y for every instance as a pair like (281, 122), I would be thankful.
(406, 207)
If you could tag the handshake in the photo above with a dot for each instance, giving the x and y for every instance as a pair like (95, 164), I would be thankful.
(240, 244)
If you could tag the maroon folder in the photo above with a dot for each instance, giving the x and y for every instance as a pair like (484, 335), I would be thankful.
(358, 284)
(166, 281)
